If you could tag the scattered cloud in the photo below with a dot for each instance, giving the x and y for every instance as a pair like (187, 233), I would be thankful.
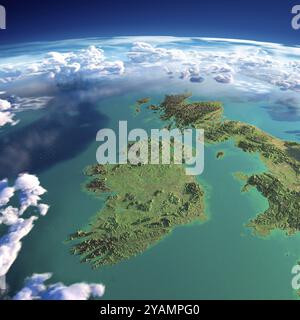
(224, 65)
(36, 289)
(224, 60)
(247, 66)
(30, 103)
(29, 191)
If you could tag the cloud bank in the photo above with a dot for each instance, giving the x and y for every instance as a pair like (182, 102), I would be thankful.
(223, 60)
(223, 64)
(247, 66)
(63, 68)
(36, 289)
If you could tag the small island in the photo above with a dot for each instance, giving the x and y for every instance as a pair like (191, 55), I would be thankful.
(153, 107)
(142, 101)
(139, 103)
(220, 155)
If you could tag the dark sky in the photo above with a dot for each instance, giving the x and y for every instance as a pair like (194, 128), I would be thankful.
(32, 20)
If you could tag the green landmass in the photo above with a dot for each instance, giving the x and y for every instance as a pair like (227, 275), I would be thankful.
(280, 184)
(143, 204)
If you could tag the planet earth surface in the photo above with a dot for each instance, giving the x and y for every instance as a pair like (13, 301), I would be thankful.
(56, 96)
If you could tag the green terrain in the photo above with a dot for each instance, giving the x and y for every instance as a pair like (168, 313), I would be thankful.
(145, 202)
(280, 184)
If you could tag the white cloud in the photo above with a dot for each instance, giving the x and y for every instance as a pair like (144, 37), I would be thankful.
(43, 208)
(6, 192)
(9, 216)
(6, 115)
(10, 244)
(189, 64)
(36, 289)
(29, 190)
(30, 103)
(8, 109)
(4, 105)
(65, 67)
(9, 73)
(226, 61)
(224, 78)
(142, 52)
(7, 118)
(263, 62)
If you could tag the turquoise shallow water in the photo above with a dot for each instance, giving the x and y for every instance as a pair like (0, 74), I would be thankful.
(220, 259)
